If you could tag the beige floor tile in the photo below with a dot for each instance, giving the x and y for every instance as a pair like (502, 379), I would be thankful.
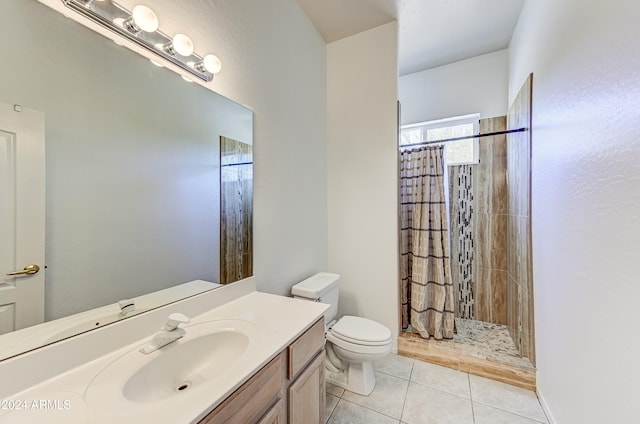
(350, 413)
(508, 398)
(486, 415)
(425, 405)
(387, 397)
(332, 389)
(441, 378)
(395, 365)
(330, 405)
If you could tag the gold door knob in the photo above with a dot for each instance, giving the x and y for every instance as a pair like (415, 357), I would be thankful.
(28, 270)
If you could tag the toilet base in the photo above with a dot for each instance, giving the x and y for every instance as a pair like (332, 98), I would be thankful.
(357, 378)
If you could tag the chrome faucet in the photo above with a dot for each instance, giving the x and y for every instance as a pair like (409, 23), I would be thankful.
(169, 333)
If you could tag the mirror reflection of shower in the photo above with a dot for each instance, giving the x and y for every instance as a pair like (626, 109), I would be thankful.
(236, 210)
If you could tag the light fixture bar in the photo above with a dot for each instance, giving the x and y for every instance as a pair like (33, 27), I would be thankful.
(108, 14)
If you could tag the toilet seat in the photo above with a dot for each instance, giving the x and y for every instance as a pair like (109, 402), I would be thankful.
(358, 348)
(360, 331)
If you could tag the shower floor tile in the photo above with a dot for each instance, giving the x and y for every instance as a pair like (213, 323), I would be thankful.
(482, 340)
(487, 341)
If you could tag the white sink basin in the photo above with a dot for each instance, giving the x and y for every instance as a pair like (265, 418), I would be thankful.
(204, 356)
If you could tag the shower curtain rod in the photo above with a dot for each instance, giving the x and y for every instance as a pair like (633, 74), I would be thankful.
(237, 164)
(444, 140)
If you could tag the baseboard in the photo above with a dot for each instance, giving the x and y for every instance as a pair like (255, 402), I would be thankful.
(545, 407)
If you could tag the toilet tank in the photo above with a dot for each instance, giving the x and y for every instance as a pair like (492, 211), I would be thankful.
(321, 287)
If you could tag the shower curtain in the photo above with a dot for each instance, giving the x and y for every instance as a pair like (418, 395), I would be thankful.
(426, 285)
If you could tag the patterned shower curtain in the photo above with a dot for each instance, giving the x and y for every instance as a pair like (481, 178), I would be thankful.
(427, 288)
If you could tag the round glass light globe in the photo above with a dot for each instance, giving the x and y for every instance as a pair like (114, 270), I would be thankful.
(212, 64)
(145, 18)
(183, 45)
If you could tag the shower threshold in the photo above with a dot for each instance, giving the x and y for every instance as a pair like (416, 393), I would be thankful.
(479, 348)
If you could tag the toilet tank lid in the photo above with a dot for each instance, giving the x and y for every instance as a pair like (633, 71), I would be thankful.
(315, 286)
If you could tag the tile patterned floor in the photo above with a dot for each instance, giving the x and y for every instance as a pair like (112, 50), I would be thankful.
(410, 391)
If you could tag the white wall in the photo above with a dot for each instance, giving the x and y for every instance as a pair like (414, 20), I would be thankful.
(274, 62)
(585, 58)
(362, 172)
(476, 85)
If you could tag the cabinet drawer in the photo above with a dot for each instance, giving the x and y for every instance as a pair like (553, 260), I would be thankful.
(305, 348)
(251, 401)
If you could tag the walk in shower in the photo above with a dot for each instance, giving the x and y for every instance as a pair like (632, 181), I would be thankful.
(489, 258)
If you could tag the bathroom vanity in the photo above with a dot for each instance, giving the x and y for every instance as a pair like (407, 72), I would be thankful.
(293, 381)
(246, 357)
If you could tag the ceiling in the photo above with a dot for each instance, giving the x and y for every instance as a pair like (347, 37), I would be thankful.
(431, 32)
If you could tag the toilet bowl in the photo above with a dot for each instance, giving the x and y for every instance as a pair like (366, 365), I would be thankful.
(353, 343)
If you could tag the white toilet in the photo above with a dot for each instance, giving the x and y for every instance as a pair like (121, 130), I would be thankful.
(353, 342)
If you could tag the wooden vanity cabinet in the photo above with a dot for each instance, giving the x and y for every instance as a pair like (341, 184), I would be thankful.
(289, 389)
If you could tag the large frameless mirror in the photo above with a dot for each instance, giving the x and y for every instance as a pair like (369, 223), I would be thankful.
(132, 180)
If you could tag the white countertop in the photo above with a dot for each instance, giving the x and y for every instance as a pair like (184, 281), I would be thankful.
(280, 320)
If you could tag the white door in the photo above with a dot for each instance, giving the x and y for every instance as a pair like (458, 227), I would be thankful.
(22, 203)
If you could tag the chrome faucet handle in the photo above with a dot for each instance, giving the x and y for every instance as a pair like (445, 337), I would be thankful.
(175, 320)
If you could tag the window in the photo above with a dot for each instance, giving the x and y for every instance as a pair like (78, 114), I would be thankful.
(458, 152)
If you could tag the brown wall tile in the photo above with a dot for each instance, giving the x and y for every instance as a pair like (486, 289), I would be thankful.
(499, 297)
(491, 190)
(482, 293)
(490, 224)
(491, 241)
(519, 270)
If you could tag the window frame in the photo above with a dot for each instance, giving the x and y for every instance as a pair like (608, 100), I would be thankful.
(453, 121)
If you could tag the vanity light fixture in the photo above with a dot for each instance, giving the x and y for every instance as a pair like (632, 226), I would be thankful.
(180, 44)
(210, 63)
(142, 19)
(141, 26)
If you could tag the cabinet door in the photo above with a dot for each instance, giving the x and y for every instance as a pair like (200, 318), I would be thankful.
(275, 415)
(307, 394)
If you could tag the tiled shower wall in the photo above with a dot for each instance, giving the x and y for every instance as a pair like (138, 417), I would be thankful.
(491, 224)
(462, 238)
(491, 228)
(478, 210)
(519, 268)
